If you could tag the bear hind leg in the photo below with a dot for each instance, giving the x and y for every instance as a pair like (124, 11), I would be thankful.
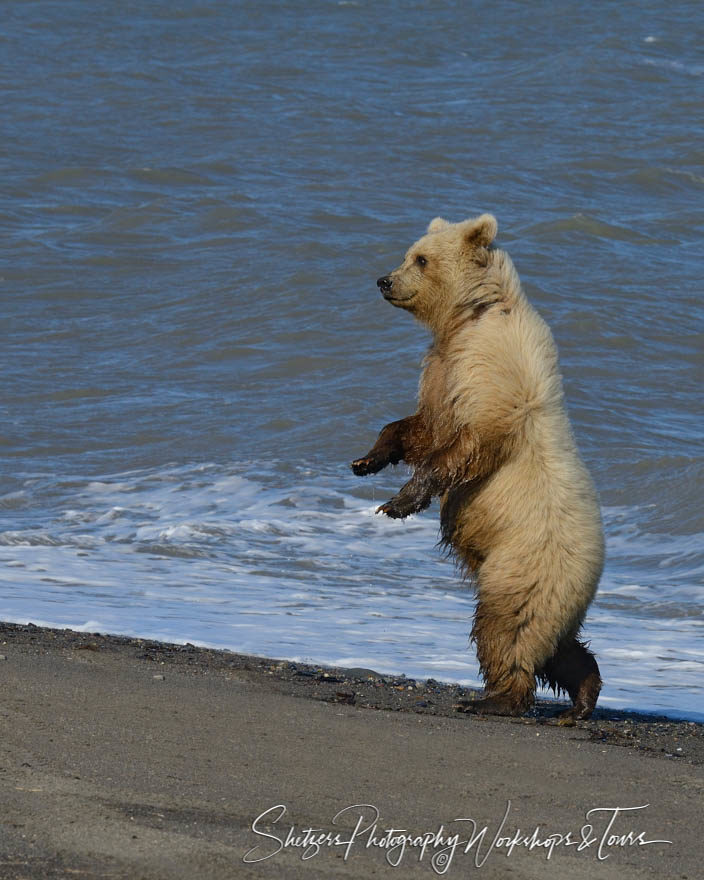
(507, 671)
(573, 668)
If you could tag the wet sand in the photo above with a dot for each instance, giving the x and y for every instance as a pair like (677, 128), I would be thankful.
(131, 759)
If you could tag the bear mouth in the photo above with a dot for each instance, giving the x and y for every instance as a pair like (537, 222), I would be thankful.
(397, 300)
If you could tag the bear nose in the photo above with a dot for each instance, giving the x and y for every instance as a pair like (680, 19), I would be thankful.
(384, 284)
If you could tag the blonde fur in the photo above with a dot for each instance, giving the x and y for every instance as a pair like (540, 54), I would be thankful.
(492, 439)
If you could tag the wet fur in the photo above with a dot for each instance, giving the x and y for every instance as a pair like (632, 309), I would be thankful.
(491, 439)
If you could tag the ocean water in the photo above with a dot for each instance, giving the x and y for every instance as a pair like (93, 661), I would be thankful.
(197, 200)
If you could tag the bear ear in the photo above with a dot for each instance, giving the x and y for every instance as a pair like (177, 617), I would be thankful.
(481, 231)
(437, 224)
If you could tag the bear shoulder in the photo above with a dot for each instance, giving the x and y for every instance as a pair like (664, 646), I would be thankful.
(502, 370)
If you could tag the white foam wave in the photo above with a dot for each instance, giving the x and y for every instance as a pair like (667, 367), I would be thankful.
(299, 566)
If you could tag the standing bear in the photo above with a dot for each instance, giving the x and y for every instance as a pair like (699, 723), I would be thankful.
(492, 440)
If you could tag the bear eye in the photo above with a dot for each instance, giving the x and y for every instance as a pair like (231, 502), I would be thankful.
(422, 262)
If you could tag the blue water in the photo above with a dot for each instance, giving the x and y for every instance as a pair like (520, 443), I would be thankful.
(197, 202)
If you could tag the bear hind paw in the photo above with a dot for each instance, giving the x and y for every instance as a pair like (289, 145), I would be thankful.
(498, 704)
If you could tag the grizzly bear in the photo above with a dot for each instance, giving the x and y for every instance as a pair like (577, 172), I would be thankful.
(492, 440)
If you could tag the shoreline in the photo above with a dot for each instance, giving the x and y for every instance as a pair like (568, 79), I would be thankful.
(368, 689)
(126, 757)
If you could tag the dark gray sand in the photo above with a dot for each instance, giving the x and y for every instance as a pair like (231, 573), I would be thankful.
(133, 759)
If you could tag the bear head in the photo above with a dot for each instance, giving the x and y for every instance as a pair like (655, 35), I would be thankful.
(440, 271)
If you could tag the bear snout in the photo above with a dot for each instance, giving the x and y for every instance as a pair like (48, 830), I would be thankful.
(384, 284)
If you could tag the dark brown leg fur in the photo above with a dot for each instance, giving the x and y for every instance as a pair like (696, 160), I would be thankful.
(389, 448)
(573, 668)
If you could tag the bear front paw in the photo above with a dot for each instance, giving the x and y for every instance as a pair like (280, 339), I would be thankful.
(412, 498)
(389, 510)
(362, 467)
(395, 510)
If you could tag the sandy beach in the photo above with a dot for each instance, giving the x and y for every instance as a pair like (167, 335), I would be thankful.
(124, 758)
